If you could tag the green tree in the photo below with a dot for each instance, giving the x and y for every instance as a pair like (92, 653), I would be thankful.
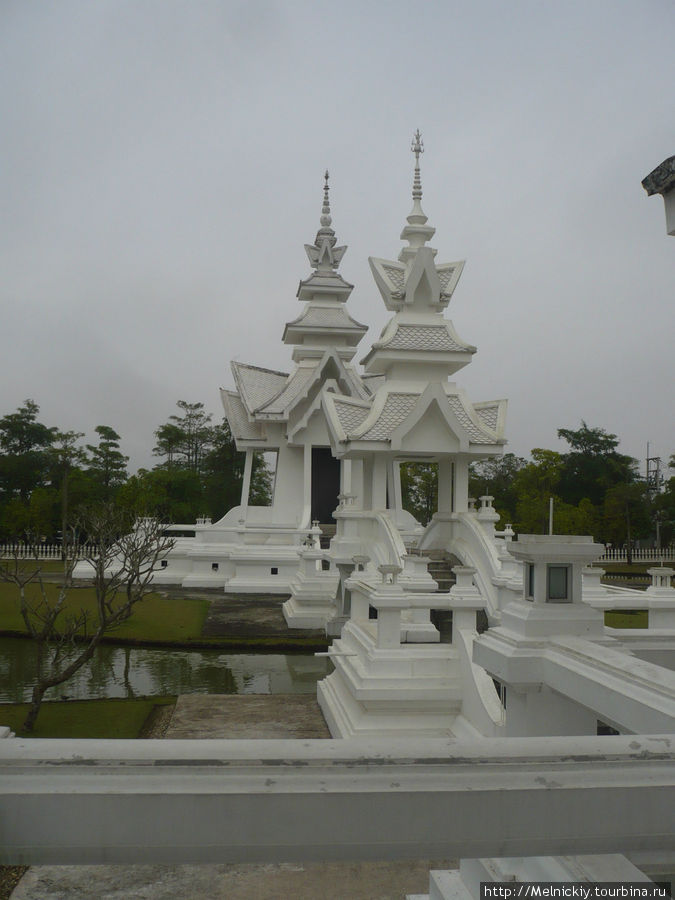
(175, 495)
(419, 489)
(497, 477)
(24, 460)
(627, 515)
(592, 465)
(223, 472)
(534, 484)
(664, 513)
(184, 440)
(108, 465)
(169, 441)
(663, 507)
(65, 456)
(260, 493)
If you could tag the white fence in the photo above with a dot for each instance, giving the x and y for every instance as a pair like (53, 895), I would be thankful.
(645, 554)
(53, 551)
(45, 551)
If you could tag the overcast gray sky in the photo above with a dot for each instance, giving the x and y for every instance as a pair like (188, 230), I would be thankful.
(161, 168)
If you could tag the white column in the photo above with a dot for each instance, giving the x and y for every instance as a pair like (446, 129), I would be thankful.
(346, 476)
(445, 474)
(379, 489)
(307, 486)
(398, 501)
(246, 483)
(391, 490)
(367, 478)
(461, 485)
(357, 482)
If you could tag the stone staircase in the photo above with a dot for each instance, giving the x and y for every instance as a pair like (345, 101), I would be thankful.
(440, 568)
(327, 534)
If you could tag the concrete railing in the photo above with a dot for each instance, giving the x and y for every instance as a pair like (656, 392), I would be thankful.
(190, 801)
(46, 551)
(645, 554)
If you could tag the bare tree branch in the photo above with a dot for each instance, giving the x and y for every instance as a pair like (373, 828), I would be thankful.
(123, 568)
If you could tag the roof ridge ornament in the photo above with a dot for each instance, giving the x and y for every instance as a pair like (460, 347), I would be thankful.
(323, 255)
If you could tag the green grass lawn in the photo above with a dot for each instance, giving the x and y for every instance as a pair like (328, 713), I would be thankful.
(627, 618)
(155, 618)
(624, 568)
(84, 718)
(46, 566)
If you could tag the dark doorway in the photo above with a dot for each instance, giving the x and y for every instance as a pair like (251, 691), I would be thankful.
(325, 484)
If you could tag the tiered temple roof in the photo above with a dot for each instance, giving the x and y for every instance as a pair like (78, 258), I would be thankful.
(417, 348)
(324, 337)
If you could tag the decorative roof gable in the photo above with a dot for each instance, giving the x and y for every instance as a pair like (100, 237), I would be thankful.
(256, 385)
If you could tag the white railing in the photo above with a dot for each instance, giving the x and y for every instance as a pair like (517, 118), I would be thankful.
(222, 800)
(46, 551)
(643, 554)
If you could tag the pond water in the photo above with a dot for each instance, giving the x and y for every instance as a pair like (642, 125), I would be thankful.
(135, 672)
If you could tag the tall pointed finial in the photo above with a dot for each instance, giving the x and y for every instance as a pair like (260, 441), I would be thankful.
(417, 216)
(417, 147)
(416, 232)
(323, 254)
(325, 209)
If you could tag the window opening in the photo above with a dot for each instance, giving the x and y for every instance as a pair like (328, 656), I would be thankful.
(530, 581)
(557, 584)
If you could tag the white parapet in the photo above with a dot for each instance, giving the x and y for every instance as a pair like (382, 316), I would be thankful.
(190, 801)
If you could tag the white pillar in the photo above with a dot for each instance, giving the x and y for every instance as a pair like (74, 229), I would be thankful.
(346, 476)
(367, 476)
(246, 483)
(461, 492)
(398, 501)
(379, 488)
(391, 490)
(357, 481)
(307, 486)
(445, 474)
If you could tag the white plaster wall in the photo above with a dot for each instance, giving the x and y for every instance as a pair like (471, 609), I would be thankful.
(288, 489)
(545, 712)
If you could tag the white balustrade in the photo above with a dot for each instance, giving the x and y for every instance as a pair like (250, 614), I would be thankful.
(46, 551)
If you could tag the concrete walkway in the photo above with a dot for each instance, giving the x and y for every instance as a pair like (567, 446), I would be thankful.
(311, 881)
(247, 716)
(236, 716)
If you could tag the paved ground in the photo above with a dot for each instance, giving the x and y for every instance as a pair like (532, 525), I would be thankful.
(311, 881)
(247, 716)
(236, 716)
(250, 615)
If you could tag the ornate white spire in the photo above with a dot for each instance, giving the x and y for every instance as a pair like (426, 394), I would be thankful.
(416, 232)
(323, 255)
(417, 214)
(325, 209)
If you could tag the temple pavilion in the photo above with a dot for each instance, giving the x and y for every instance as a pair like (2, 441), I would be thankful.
(340, 431)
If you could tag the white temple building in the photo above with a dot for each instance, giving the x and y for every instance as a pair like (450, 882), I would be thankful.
(340, 433)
